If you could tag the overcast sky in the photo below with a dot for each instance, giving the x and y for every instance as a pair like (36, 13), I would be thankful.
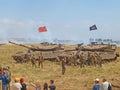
(64, 19)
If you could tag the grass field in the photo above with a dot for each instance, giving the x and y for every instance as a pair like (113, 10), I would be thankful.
(75, 78)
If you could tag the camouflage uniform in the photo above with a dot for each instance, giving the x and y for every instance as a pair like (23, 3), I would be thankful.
(70, 60)
(63, 66)
(74, 58)
(82, 61)
(40, 61)
(94, 59)
(89, 60)
(99, 59)
(33, 61)
(26, 57)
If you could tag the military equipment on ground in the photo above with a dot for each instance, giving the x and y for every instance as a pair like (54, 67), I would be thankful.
(20, 57)
(40, 48)
(49, 52)
(106, 51)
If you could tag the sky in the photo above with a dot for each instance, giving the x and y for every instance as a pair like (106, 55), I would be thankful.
(64, 19)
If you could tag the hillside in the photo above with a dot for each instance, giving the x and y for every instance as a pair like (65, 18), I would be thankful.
(75, 78)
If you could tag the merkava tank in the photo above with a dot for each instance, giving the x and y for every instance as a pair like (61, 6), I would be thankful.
(20, 57)
(49, 52)
(106, 51)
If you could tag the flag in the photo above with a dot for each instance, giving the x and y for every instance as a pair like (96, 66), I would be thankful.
(42, 29)
(93, 27)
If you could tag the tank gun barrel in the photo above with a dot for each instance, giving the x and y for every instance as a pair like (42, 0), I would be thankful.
(36, 48)
(20, 45)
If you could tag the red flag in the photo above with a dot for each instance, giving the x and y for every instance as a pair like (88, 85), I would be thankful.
(42, 29)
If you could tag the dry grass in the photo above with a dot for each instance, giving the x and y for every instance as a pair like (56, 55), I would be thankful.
(75, 78)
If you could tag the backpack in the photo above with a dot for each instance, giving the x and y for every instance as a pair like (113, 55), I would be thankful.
(23, 86)
(109, 87)
(8, 79)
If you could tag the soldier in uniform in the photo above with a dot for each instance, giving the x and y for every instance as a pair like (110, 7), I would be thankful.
(70, 60)
(33, 61)
(99, 59)
(82, 61)
(40, 61)
(89, 59)
(74, 59)
(94, 59)
(63, 65)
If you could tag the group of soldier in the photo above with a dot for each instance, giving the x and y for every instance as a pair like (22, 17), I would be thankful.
(39, 59)
(78, 58)
(92, 59)
(82, 59)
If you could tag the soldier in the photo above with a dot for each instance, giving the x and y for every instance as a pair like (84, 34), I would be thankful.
(33, 61)
(70, 60)
(99, 59)
(89, 59)
(74, 59)
(78, 59)
(82, 61)
(63, 65)
(40, 60)
(25, 58)
(94, 59)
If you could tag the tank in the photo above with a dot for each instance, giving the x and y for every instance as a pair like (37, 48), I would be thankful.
(106, 51)
(49, 52)
(41, 47)
(20, 57)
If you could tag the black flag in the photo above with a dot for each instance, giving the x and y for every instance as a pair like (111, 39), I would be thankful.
(93, 27)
